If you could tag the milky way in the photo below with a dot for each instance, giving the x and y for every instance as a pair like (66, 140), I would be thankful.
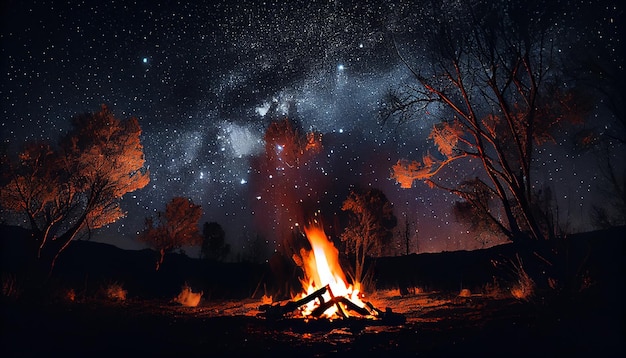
(201, 77)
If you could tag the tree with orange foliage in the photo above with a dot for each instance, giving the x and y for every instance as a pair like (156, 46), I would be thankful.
(492, 79)
(175, 228)
(66, 192)
(286, 146)
(31, 186)
(370, 227)
(286, 178)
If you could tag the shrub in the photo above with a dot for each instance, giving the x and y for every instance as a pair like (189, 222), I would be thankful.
(188, 298)
(115, 292)
(465, 293)
(493, 289)
(70, 295)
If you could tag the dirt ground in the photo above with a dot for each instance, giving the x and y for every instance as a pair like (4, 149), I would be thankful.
(431, 324)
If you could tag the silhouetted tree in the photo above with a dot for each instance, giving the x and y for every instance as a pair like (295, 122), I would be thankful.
(67, 191)
(407, 232)
(256, 248)
(214, 245)
(491, 76)
(370, 226)
(175, 228)
(612, 210)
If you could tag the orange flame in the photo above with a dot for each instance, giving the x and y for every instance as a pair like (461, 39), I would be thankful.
(322, 268)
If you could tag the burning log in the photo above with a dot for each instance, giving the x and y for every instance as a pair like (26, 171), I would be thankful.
(319, 310)
(279, 311)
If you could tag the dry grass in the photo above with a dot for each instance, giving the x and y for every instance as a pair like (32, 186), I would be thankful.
(267, 299)
(114, 291)
(188, 298)
(10, 287)
(70, 295)
(524, 287)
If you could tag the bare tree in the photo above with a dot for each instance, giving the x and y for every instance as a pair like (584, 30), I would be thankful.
(370, 226)
(493, 84)
(612, 210)
(31, 187)
(406, 237)
(175, 228)
(71, 190)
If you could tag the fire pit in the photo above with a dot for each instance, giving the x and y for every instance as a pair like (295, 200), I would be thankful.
(344, 307)
(327, 294)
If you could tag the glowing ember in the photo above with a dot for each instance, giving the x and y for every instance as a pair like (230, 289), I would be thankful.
(322, 269)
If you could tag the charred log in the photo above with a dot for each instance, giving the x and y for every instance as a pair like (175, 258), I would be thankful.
(368, 313)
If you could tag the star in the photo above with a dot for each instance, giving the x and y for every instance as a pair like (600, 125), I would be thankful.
(206, 101)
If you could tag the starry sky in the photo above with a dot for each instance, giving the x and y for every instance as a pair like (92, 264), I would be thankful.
(205, 78)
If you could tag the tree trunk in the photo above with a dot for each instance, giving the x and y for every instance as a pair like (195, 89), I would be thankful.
(65, 240)
(160, 260)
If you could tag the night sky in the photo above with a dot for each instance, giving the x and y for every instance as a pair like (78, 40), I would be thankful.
(200, 77)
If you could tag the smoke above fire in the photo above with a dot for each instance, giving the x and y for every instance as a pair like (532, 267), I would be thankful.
(286, 184)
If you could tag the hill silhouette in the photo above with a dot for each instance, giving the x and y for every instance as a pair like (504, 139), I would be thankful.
(596, 256)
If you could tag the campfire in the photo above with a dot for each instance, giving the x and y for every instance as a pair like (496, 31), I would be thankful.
(327, 294)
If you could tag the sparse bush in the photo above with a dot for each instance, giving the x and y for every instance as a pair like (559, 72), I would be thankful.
(586, 281)
(70, 295)
(493, 289)
(10, 288)
(465, 293)
(524, 287)
(115, 292)
(188, 298)
(553, 283)
(173, 229)
(409, 290)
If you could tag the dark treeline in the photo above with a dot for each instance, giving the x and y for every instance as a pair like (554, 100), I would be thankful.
(585, 261)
